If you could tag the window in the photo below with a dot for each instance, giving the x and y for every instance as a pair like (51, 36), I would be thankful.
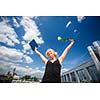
(65, 78)
(82, 75)
(68, 77)
(73, 77)
(94, 73)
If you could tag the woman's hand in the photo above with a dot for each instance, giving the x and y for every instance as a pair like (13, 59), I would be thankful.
(71, 40)
(36, 50)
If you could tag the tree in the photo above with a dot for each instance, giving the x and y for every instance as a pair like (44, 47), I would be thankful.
(26, 77)
(36, 79)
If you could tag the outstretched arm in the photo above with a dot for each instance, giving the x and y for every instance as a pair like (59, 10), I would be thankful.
(41, 56)
(62, 57)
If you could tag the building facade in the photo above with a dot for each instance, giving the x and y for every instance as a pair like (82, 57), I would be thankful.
(88, 71)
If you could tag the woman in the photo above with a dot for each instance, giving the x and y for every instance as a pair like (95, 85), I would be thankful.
(53, 66)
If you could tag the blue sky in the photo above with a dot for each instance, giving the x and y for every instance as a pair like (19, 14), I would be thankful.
(17, 32)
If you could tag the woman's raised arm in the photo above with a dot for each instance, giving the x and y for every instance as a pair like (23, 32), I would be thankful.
(62, 57)
(41, 56)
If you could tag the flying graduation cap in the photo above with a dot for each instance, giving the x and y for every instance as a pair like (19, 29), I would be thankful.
(33, 44)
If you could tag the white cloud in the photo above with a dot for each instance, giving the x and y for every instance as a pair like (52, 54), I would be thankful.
(31, 30)
(4, 39)
(16, 24)
(23, 42)
(26, 46)
(28, 59)
(28, 52)
(20, 70)
(9, 37)
(31, 52)
(67, 25)
(43, 67)
(80, 18)
(4, 19)
(10, 54)
(24, 51)
(27, 66)
(28, 71)
(7, 34)
(35, 17)
(75, 30)
(4, 67)
(64, 70)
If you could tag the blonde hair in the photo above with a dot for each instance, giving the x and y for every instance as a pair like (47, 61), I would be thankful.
(55, 53)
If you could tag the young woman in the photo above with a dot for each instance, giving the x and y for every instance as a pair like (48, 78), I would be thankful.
(53, 66)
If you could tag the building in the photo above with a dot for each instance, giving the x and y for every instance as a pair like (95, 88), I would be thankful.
(88, 71)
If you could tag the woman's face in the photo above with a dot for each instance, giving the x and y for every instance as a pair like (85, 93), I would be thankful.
(50, 54)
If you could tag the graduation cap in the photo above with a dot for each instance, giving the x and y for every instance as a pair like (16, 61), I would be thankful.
(33, 44)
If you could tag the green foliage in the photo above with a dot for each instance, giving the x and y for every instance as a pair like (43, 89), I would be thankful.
(36, 79)
(29, 78)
